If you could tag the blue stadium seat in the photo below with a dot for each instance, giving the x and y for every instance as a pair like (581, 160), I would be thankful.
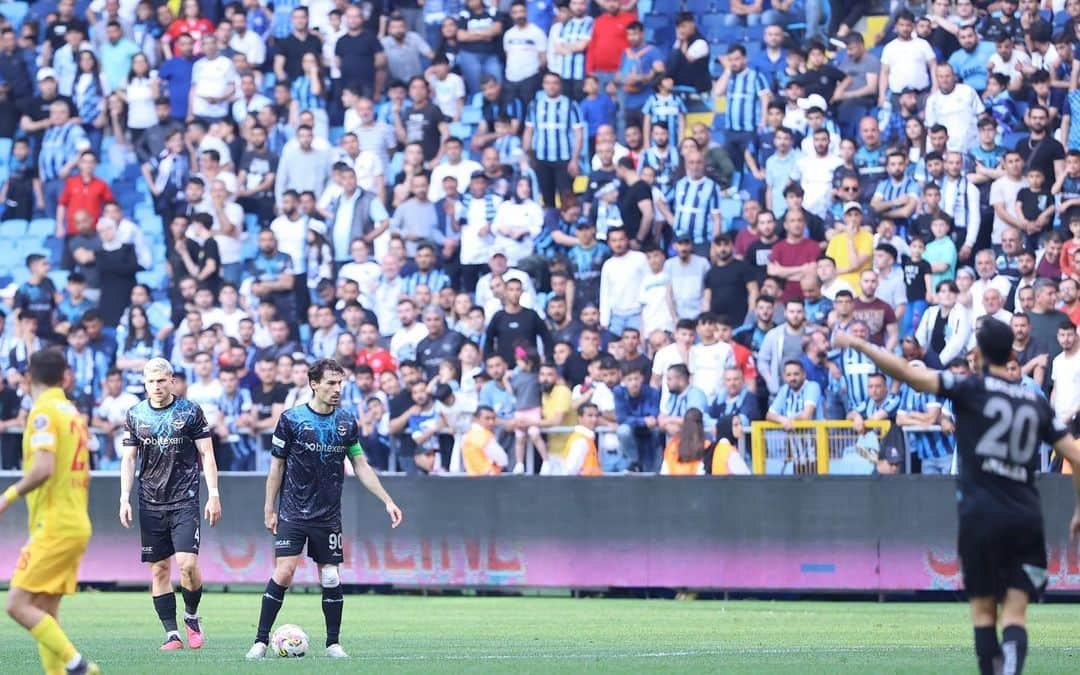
(721, 6)
(755, 33)
(471, 115)
(5, 146)
(461, 130)
(698, 6)
(41, 227)
(13, 229)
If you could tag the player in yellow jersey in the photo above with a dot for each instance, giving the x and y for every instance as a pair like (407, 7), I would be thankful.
(56, 485)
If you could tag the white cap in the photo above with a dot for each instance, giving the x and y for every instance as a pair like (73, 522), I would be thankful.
(46, 73)
(813, 101)
(852, 205)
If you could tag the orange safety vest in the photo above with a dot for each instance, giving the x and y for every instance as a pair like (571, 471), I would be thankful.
(591, 466)
(722, 451)
(677, 467)
(476, 461)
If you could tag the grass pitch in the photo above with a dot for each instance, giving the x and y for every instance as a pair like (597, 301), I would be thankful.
(542, 635)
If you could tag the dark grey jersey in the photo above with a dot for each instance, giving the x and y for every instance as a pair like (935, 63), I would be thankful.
(168, 460)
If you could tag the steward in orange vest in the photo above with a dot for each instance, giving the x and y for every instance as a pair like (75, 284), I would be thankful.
(481, 453)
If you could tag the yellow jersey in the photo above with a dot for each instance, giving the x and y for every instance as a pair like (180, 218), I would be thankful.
(58, 507)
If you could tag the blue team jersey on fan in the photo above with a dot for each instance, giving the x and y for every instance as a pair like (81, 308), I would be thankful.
(314, 447)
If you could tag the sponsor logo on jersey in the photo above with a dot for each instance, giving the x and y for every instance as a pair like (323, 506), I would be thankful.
(42, 438)
(144, 426)
(41, 421)
(281, 543)
(342, 429)
(178, 424)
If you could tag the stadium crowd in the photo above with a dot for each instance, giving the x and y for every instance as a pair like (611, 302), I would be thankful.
(246, 188)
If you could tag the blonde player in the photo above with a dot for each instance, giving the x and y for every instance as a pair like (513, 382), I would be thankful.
(167, 436)
(56, 486)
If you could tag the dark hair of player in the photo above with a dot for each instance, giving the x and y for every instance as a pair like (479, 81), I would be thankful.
(995, 340)
(320, 368)
(47, 367)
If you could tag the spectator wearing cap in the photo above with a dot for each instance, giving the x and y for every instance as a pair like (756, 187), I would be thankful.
(748, 95)
(851, 247)
(906, 61)
(555, 135)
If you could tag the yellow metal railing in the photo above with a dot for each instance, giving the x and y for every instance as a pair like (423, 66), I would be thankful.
(808, 448)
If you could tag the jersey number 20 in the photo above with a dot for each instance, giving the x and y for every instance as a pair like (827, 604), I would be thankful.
(1014, 434)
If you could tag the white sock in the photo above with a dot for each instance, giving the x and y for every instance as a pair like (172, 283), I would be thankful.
(172, 634)
(75, 661)
(190, 616)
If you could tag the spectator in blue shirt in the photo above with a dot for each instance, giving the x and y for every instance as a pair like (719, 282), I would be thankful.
(637, 408)
(176, 73)
(597, 109)
(798, 399)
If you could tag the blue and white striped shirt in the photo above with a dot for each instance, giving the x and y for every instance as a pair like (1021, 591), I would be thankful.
(435, 280)
(925, 444)
(89, 96)
(694, 203)
(888, 190)
(664, 162)
(743, 93)
(305, 98)
(855, 371)
(790, 403)
(575, 30)
(59, 146)
(553, 121)
(670, 110)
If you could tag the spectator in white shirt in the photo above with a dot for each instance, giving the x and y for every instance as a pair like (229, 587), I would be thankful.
(518, 222)
(957, 106)
(686, 272)
(815, 173)
(525, 46)
(248, 43)
(455, 165)
(213, 83)
(907, 61)
(205, 389)
(624, 270)
(447, 88)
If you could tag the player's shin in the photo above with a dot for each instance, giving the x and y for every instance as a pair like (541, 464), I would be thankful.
(191, 601)
(272, 600)
(986, 648)
(333, 600)
(49, 635)
(165, 606)
(50, 663)
(1014, 643)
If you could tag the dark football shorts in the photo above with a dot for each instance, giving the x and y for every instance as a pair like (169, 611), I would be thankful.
(323, 542)
(996, 556)
(165, 533)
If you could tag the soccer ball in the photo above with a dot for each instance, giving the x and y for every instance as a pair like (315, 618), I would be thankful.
(289, 640)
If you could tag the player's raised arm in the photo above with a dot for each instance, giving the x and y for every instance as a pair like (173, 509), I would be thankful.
(371, 481)
(213, 502)
(923, 379)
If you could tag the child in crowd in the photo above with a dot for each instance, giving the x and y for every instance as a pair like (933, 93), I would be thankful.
(1036, 207)
(597, 109)
(1069, 207)
(18, 192)
(507, 142)
(918, 279)
(665, 106)
(941, 252)
(999, 103)
(524, 382)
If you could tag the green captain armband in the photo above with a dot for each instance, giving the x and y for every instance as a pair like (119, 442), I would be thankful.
(355, 450)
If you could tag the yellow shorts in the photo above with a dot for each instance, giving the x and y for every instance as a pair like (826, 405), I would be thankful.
(49, 565)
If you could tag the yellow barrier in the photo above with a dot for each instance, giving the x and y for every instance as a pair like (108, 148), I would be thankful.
(809, 447)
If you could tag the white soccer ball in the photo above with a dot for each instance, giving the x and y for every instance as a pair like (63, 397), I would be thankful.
(289, 640)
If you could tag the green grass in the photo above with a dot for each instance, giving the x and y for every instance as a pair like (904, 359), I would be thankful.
(541, 635)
